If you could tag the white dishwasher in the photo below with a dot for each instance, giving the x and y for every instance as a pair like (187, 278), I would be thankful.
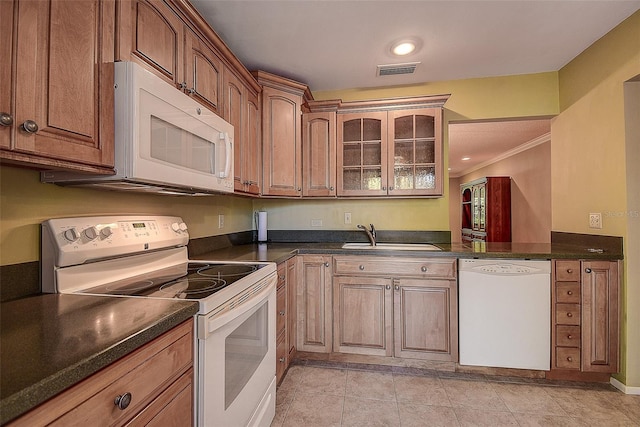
(505, 313)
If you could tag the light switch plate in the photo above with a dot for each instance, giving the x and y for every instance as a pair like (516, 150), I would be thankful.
(347, 217)
(316, 223)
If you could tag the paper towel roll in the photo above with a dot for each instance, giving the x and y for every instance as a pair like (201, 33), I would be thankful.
(261, 223)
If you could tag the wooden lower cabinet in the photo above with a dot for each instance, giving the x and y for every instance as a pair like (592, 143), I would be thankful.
(585, 318)
(158, 376)
(395, 307)
(314, 319)
(285, 316)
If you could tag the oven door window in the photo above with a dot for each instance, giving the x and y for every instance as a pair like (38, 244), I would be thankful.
(245, 348)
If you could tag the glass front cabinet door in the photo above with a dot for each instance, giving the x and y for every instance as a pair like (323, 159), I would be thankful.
(390, 153)
(414, 150)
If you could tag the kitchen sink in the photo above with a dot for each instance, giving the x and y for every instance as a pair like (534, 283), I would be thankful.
(393, 246)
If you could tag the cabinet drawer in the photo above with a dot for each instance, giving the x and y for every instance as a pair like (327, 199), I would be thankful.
(395, 267)
(568, 314)
(281, 309)
(567, 357)
(567, 336)
(568, 292)
(567, 271)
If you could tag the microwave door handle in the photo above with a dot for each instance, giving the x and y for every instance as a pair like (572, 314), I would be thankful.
(228, 152)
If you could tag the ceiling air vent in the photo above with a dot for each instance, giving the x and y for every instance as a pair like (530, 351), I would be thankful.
(395, 69)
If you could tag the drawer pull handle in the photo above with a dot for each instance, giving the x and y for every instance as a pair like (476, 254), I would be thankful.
(361, 267)
(122, 401)
(570, 359)
(569, 270)
(424, 269)
(282, 313)
(569, 314)
(569, 292)
(570, 337)
(281, 360)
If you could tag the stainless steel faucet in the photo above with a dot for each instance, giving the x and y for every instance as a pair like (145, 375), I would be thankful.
(371, 234)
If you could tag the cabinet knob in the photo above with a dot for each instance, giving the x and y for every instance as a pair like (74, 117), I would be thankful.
(182, 86)
(361, 268)
(331, 188)
(569, 314)
(299, 188)
(326, 264)
(587, 270)
(397, 288)
(281, 313)
(388, 287)
(569, 270)
(281, 360)
(30, 126)
(390, 188)
(6, 119)
(122, 401)
(570, 337)
(423, 269)
(569, 292)
(384, 188)
(570, 359)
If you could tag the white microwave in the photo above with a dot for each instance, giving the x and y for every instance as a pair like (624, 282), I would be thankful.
(165, 142)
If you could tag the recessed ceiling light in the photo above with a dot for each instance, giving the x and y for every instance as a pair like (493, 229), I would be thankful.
(405, 46)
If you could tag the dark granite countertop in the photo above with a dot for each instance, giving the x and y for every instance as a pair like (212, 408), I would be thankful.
(278, 252)
(50, 342)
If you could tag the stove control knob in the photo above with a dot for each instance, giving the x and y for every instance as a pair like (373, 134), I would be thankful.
(175, 227)
(90, 233)
(71, 234)
(106, 232)
(183, 226)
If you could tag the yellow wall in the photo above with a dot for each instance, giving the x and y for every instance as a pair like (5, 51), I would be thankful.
(25, 202)
(588, 172)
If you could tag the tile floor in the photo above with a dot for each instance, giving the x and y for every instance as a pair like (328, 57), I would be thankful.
(324, 394)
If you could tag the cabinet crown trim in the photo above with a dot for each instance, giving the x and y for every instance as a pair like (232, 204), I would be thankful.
(401, 103)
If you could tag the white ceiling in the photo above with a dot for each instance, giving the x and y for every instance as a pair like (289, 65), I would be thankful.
(337, 44)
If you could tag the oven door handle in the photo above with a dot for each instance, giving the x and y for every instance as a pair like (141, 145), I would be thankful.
(209, 324)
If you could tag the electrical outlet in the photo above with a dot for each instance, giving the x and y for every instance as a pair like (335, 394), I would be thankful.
(347, 217)
(316, 223)
(595, 220)
(220, 221)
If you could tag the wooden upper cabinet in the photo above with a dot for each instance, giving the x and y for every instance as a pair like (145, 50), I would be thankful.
(151, 34)
(281, 135)
(6, 81)
(242, 110)
(203, 73)
(390, 147)
(319, 154)
(60, 98)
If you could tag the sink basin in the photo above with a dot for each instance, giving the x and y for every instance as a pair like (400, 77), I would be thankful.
(393, 246)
